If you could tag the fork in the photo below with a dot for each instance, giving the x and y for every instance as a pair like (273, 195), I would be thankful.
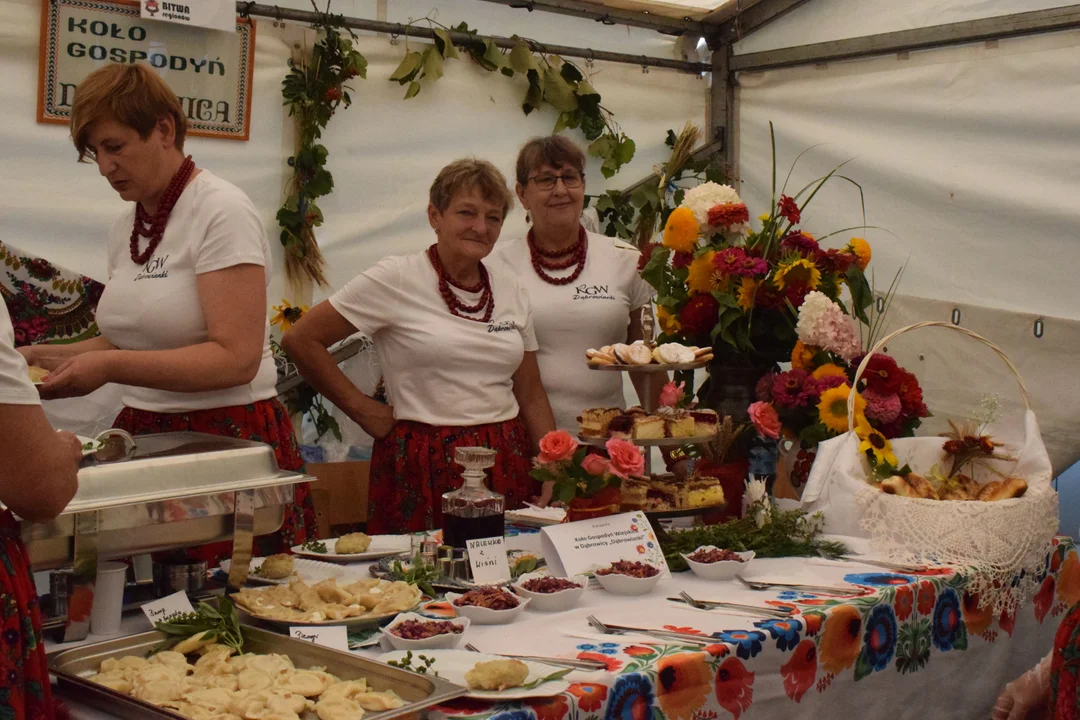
(713, 604)
(895, 566)
(759, 585)
(609, 629)
(588, 665)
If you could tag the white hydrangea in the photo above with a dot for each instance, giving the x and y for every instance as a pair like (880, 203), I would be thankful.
(702, 198)
(816, 306)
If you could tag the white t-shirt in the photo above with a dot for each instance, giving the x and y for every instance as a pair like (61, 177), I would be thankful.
(15, 385)
(156, 306)
(440, 369)
(590, 312)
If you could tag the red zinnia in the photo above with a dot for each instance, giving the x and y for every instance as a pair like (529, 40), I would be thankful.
(699, 316)
(905, 602)
(728, 214)
(794, 388)
(789, 209)
(882, 375)
(729, 260)
(800, 242)
(911, 395)
(833, 261)
(682, 260)
(796, 294)
(769, 297)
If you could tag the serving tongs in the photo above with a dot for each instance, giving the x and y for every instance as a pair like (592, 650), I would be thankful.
(887, 564)
(588, 665)
(659, 633)
(775, 613)
(816, 589)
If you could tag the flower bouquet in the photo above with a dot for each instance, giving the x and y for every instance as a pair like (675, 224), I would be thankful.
(588, 483)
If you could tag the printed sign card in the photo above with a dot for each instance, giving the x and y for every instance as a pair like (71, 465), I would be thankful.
(167, 608)
(487, 558)
(587, 545)
(335, 637)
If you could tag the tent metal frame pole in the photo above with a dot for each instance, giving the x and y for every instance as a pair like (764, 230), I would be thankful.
(612, 16)
(460, 38)
(750, 19)
(960, 33)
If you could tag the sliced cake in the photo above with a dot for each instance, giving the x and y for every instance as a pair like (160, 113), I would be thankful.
(634, 494)
(621, 427)
(594, 421)
(703, 492)
(706, 422)
(648, 427)
(679, 424)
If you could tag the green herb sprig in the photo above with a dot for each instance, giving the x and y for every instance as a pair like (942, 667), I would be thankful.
(221, 625)
(786, 533)
(421, 668)
(418, 573)
(315, 546)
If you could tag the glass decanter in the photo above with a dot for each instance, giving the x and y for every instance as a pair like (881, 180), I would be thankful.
(472, 511)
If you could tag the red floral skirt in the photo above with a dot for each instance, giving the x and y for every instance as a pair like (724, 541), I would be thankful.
(414, 465)
(265, 421)
(1065, 668)
(24, 675)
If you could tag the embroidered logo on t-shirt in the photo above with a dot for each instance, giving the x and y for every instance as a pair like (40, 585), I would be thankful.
(154, 269)
(504, 326)
(592, 292)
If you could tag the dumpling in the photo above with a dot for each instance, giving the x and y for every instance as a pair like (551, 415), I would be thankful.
(193, 643)
(128, 662)
(497, 675)
(377, 701)
(254, 680)
(158, 685)
(273, 665)
(215, 699)
(329, 592)
(352, 544)
(114, 680)
(347, 689)
(339, 709)
(308, 683)
(172, 659)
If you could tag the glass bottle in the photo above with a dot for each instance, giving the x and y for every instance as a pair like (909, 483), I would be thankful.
(472, 511)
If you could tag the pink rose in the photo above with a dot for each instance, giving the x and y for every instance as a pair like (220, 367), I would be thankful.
(594, 465)
(765, 419)
(626, 458)
(557, 446)
(672, 394)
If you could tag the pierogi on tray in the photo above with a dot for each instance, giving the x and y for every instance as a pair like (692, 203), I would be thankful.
(221, 686)
(327, 601)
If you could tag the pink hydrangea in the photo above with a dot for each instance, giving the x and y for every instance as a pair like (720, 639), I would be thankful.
(883, 408)
(823, 324)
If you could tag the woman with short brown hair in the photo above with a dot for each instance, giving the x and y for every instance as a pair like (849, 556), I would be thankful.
(456, 344)
(183, 315)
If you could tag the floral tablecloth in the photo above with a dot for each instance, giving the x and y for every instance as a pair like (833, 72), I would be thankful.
(914, 645)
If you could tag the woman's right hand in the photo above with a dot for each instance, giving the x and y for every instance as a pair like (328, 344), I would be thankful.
(73, 445)
(378, 421)
(40, 356)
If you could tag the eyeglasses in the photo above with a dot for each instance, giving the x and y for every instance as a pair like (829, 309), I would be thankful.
(569, 180)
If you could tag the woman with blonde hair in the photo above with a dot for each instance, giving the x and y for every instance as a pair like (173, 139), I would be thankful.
(456, 341)
(183, 315)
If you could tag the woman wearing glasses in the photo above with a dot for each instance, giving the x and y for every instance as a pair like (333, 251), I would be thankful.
(584, 288)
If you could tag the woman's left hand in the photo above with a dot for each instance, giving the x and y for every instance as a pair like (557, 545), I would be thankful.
(77, 376)
(546, 491)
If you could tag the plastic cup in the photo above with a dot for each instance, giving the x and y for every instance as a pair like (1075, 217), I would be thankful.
(108, 598)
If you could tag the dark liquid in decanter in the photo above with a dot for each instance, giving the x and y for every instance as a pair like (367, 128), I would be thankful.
(457, 530)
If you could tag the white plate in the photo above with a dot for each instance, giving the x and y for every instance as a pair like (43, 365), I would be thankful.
(381, 546)
(551, 602)
(487, 616)
(446, 641)
(358, 622)
(726, 570)
(90, 445)
(453, 664)
(310, 571)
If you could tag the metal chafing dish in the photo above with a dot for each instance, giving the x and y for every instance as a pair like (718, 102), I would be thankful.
(175, 490)
(73, 667)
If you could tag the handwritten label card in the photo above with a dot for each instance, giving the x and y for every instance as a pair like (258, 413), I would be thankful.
(587, 545)
(487, 558)
(335, 637)
(167, 608)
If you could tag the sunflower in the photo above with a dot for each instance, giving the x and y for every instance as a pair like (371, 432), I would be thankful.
(799, 272)
(861, 250)
(287, 314)
(668, 322)
(747, 293)
(703, 277)
(829, 369)
(681, 230)
(875, 445)
(802, 356)
(833, 408)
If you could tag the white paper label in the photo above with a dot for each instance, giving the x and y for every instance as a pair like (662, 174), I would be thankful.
(335, 637)
(213, 14)
(487, 558)
(168, 608)
(587, 545)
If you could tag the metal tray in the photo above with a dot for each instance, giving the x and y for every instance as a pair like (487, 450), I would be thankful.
(73, 667)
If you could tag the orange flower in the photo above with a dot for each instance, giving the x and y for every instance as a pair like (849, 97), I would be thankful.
(683, 683)
(669, 324)
(840, 641)
(976, 618)
(1068, 582)
(829, 369)
(801, 356)
(861, 249)
(801, 670)
(703, 277)
(681, 230)
(590, 695)
(611, 663)
(639, 651)
(813, 623)
(734, 687)
(748, 288)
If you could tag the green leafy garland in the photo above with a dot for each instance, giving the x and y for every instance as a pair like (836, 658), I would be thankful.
(551, 80)
(313, 91)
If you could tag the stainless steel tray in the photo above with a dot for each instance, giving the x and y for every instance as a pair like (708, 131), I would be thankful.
(73, 667)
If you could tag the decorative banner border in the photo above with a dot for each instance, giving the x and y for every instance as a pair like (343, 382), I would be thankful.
(217, 102)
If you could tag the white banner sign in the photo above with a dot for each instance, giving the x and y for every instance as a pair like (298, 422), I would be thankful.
(213, 14)
(209, 71)
(587, 545)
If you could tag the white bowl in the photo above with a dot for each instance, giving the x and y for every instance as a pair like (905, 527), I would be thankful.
(487, 616)
(725, 570)
(551, 602)
(626, 585)
(446, 641)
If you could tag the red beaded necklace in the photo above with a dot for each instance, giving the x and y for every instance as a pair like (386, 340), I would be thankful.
(541, 259)
(161, 215)
(457, 307)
